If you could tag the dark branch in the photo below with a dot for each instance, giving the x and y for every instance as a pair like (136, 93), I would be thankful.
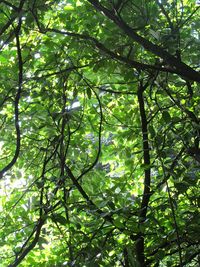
(17, 98)
(179, 67)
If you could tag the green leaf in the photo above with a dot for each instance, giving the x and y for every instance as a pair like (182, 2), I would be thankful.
(118, 223)
(160, 254)
(78, 175)
(111, 205)
(181, 187)
(89, 93)
(3, 59)
(166, 116)
(152, 131)
(59, 219)
(68, 8)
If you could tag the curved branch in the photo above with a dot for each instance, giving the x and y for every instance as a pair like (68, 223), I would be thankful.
(17, 98)
(85, 195)
(101, 47)
(99, 137)
(179, 67)
(13, 17)
(37, 231)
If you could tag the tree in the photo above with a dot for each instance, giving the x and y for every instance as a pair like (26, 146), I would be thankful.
(99, 133)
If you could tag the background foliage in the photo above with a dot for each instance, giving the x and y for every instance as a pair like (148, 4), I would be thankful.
(100, 133)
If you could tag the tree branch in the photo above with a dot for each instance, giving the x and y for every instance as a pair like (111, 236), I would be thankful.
(180, 67)
(147, 173)
(17, 98)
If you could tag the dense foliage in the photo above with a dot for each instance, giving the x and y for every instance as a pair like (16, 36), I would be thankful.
(100, 132)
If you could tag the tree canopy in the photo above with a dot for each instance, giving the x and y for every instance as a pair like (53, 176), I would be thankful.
(100, 132)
